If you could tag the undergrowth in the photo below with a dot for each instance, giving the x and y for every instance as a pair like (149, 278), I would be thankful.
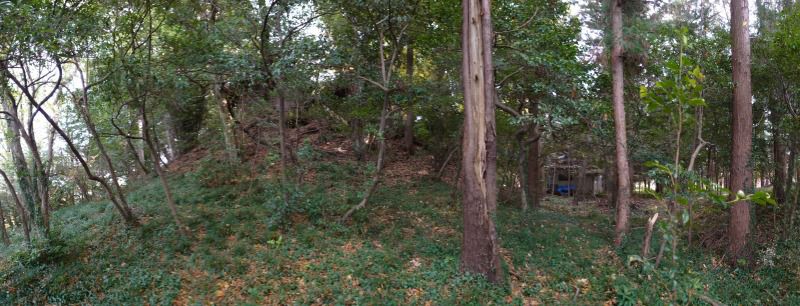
(249, 245)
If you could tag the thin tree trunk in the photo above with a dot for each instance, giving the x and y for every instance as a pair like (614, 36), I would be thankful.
(83, 107)
(225, 126)
(779, 151)
(522, 166)
(790, 169)
(446, 161)
(140, 150)
(170, 136)
(742, 131)
(408, 129)
(157, 168)
(25, 216)
(284, 150)
(148, 140)
(479, 252)
(700, 143)
(623, 174)
(3, 230)
(124, 210)
(534, 166)
(378, 164)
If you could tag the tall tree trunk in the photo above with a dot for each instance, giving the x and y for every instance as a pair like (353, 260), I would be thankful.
(479, 251)
(408, 129)
(522, 170)
(534, 163)
(623, 174)
(742, 131)
(779, 151)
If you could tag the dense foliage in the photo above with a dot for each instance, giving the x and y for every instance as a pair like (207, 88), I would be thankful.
(314, 151)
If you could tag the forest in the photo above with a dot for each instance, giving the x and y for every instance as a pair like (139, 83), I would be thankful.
(385, 152)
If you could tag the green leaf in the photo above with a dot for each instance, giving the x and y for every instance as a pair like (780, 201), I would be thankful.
(697, 102)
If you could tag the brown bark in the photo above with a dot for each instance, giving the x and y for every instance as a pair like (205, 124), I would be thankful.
(742, 131)
(479, 252)
(623, 174)
(534, 166)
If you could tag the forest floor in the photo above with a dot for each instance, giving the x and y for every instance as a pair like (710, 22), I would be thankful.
(248, 247)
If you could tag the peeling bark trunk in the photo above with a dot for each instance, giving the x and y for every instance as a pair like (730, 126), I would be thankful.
(479, 251)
